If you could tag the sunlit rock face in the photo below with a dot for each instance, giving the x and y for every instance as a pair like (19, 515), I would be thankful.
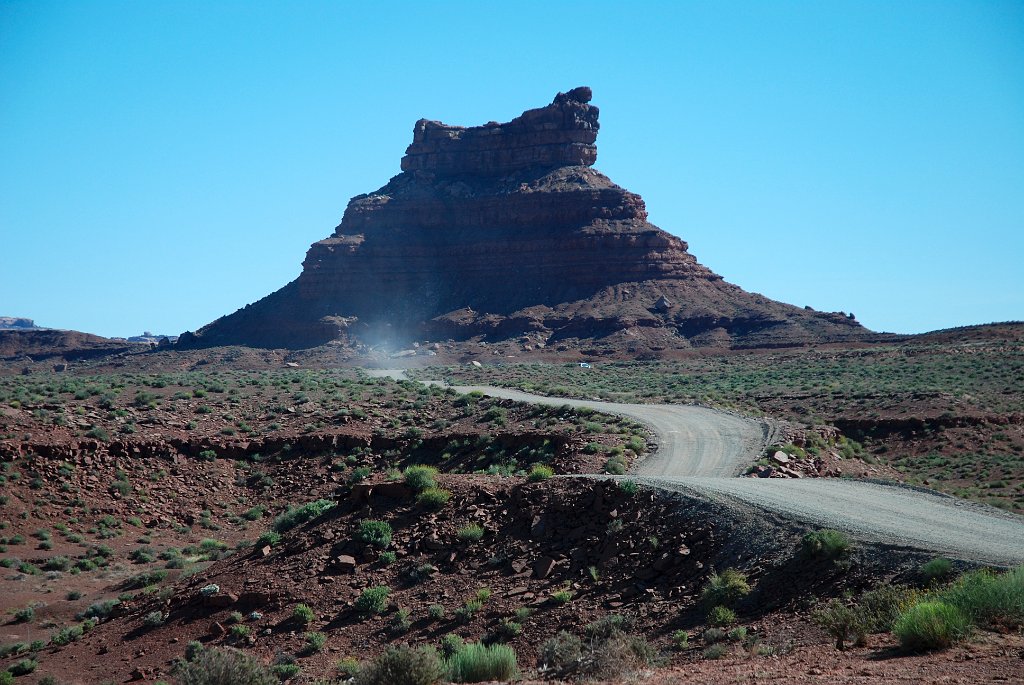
(503, 230)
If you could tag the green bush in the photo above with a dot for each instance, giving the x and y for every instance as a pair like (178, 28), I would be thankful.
(450, 644)
(616, 465)
(295, 516)
(471, 533)
(720, 616)
(680, 639)
(987, 597)
(540, 472)
(400, 622)
(725, 588)
(146, 579)
(420, 478)
(476, 663)
(373, 600)
(303, 615)
(268, 538)
(23, 667)
(879, 608)
(843, 623)
(716, 651)
(931, 625)
(153, 619)
(628, 487)
(66, 636)
(404, 666)
(315, 642)
(936, 570)
(561, 654)
(826, 544)
(376, 533)
(285, 671)
(433, 498)
(6, 678)
(435, 612)
(24, 615)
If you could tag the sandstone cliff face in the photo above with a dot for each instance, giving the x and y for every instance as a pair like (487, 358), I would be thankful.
(503, 229)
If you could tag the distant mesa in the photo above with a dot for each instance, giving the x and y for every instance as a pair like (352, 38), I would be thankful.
(501, 231)
(17, 323)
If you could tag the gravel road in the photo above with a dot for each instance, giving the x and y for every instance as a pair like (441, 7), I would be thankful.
(700, 451)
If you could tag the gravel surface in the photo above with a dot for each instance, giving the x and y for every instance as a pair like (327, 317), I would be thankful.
(701, 449)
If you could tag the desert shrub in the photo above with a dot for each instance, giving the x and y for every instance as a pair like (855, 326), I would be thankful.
(23, 667)
(100, 609)
(404, 666)
(880, 607)
(6, 678)
(255, 513)
(98, 433)
(240, 632)
(716, 651)
(153, 619)
(373, 600)
(66, 636)
(24, 615)
(467, 611)
(348, 667)
(609, 626)
(540, 472)
(680, 639)
(314, 642)
(720, 616)
(987, 597)
(303, 615)
(433, 498)
(629, 487)
(376, 533)
(620, 655)
(616, 465)
(725, 588)
(400, 622)
(295, 516)
(142, 555)
(268, 538)
(388, 558)
(610, 653)
(141, 580)
(931, 625)
(476, 663)
(561, 654)
(450, 644)
(420, 477)
(223, 667)
(561, 597)
(471, 533)
(843, 623)
(712, 635)
(435, 612)
(285, 671)
(193, 649)
(825, 544)
(936, 570)
(12, 649)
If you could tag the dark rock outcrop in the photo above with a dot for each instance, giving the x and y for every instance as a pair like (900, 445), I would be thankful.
(503, 230)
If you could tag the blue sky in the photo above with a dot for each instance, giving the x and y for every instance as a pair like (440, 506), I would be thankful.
(164, 163)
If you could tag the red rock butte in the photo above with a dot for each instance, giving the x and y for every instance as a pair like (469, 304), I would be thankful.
(505, 230)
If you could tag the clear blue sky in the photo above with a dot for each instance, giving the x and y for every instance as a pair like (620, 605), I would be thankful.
(164, 163)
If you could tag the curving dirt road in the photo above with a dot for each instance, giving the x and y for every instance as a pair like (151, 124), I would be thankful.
(700, 450)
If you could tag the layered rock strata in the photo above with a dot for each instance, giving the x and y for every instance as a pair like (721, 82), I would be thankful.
(501, 230)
